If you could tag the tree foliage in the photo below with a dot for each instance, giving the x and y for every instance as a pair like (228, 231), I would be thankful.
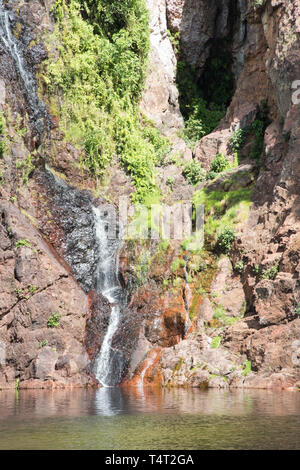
(100, 72)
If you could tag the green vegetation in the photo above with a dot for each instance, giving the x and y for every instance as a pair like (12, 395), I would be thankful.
(24, 242)
(247, 368)
(27, 168)
(223, 211)
(32, 289)
(203, 102)
(270, 273)
(170, 182)
(163, 246)
(239, 266)
(225, 240)
(143, 265)
(175, 40)
(222, 318)
(257, 128)
(259, 3)
(176, 265)
(237, 140)
(216, 342)
(201, 121)
(256, 269)
(44, 343)
(53, 321)
(219, 164)
(100, 71)
(297, 311)
(193, 172)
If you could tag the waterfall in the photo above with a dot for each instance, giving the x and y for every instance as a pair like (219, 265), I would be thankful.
(14, 48)
(109, 364)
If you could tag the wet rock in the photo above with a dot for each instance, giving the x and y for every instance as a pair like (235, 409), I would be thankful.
(165, 317)
(74, 235)
(97, 323)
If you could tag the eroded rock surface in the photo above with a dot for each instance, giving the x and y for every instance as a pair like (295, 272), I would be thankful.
(35, 287)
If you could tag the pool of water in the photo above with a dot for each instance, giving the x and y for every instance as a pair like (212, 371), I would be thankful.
(120, 419)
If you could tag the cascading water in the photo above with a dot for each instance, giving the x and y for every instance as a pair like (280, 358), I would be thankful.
(14, 48)
(94, 259)
(109, 364)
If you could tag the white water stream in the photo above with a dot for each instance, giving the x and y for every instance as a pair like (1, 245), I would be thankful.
(14, 49)
(108, 365)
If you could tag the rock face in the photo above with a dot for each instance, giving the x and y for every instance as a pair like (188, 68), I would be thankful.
(73, 227)
(268, 291)
(160, 99)
(35, 287)
(191, 320)
(47, 242)
(200, 22)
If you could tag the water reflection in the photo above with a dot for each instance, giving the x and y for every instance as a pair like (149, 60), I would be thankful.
(116, 401)
(131, 418)
(109, 402)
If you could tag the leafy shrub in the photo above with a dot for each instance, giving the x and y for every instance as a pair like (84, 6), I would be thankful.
(24, 242)
(247, 368)
(193, 172)
(217, 80)
(257, 128)
(237, 140)
(32, 289)
(100, 73)
(239, 267)
(220, 163)
(256, 269)
(216, 342)
(175, 265)
(201, 115)
(202, 120)
(53, 321)
(258, 3)
(211, 175)
(225, 240)
(27, 168)
(270, 273)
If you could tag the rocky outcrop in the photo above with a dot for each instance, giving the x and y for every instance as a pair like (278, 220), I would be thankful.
(266, 250)
(160, 99)
(199, 23)
(42, 312)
